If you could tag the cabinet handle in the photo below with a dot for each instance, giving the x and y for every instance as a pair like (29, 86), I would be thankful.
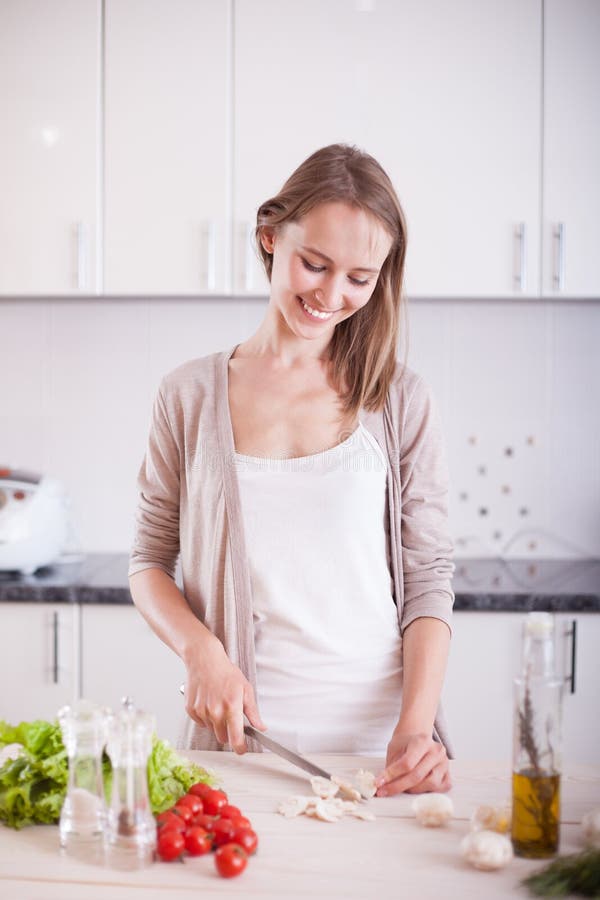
(55, 647)
(249, 258)
(520, 275)
(81, 256)
(211, 255)
(558, 276)
(572, 633)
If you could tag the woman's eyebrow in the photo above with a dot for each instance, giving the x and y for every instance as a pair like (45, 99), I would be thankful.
(326, 258)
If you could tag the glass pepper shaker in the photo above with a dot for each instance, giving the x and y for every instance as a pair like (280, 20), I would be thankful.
(83, 814)
(131, 828)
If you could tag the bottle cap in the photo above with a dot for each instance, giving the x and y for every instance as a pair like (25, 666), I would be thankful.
(539, 624)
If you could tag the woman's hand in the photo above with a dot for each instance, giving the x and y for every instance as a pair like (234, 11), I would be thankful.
(415, 763)
(217, 695)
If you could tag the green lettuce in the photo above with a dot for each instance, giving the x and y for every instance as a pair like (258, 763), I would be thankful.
(33, 786)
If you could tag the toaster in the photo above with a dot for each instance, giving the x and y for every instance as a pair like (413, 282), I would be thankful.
(33, 520)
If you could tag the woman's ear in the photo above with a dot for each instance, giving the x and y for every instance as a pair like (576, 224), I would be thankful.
(267, 238)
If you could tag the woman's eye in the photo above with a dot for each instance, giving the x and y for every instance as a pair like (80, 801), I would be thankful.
(308, 266)
(311, 268)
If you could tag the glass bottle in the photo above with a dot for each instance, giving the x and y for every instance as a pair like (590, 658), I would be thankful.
(83, 814)
(131, 829)
(537, 743)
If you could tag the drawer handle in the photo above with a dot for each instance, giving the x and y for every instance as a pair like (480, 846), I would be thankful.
(572, 633)
(520, 276)
(55, 647)
(558, 277)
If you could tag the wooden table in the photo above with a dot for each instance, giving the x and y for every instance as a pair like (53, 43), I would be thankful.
(392, 857)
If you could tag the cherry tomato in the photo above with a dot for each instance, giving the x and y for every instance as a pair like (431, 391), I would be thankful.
(200, 789)
(169, 819)
(198, 841)
(204, 821)
(195, 803)
(223, 830)
(229, 812)
(184, 811)
(230, 860)
(214, 802)
(170, 844)
(241, 822)
(245, 838)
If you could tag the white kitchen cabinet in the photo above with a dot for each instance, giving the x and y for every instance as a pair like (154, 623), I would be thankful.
(50, 149)
(39, 663)
(121, 656)
(581, 722)
(485, 656)
(571, 232)
(167, 168)
(446, 97)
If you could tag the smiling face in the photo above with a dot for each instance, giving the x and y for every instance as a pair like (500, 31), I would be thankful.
(325, 266)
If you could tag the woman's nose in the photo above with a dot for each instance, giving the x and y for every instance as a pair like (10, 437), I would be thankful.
(329, 299)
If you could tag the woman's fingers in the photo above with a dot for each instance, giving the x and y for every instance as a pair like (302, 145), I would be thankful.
(414, 767)
(251, 709)
(437, 780)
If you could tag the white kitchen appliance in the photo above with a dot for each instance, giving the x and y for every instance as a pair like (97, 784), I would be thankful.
(34, 520)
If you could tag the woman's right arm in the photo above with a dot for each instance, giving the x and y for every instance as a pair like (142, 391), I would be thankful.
(216, 693)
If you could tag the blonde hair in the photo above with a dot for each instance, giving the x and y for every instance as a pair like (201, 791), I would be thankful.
(363, 347)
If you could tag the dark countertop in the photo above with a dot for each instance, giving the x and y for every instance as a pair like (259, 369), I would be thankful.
(495, 585)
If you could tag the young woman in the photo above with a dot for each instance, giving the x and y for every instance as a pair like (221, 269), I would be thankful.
(300, 477)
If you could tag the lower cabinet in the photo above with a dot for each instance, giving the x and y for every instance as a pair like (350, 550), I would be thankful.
(121, 656)
(39, 662)
(485, 656)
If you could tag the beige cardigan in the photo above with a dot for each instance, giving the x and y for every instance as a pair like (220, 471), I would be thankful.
(189, 505)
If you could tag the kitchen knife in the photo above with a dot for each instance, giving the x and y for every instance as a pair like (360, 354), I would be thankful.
(279, 749)
(284, 752)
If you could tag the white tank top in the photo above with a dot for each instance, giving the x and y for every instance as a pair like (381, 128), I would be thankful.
(328, 646)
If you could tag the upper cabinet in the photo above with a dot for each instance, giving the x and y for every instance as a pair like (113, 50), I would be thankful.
(141, 137)
(445, 96)
(167, 102)
(571, 233)
(50, 149)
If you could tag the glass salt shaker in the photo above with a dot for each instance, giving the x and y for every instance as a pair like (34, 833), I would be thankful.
(131, 828)
(83, 814)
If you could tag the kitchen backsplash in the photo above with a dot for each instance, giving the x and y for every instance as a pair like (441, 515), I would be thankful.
(517, 384)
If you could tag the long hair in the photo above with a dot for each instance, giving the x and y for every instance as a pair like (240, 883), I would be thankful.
(363, 347)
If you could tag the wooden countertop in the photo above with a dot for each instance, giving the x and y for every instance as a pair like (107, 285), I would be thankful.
(389, 858)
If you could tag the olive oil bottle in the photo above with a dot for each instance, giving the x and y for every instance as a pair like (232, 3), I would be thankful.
(537, 744)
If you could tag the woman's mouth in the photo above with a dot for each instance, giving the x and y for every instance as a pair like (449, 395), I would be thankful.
(314, 314)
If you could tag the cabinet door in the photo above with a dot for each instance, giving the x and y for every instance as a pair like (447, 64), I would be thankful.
(49, 89)
(167, 165)
(571, 232)
(121, 656)
(485, 654)
(445, 96)
(39, 663)
(581, 723)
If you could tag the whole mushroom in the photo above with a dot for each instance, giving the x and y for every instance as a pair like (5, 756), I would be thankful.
(486, 850)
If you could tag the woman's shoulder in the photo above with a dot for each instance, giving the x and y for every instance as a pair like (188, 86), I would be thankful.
(192, 376)
(407, 383)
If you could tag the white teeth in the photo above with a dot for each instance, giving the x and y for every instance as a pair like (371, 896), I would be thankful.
(315, 312)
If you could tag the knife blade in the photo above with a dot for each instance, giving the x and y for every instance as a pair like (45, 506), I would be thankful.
(285, 752)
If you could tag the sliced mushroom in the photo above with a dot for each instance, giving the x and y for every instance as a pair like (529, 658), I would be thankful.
(324, 787)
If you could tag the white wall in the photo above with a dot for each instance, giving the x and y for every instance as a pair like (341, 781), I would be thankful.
(78, 376)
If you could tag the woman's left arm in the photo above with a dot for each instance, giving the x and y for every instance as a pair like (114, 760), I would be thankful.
(415, 762)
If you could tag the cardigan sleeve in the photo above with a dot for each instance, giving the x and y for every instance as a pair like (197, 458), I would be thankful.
(426, 545)
(156, 538)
